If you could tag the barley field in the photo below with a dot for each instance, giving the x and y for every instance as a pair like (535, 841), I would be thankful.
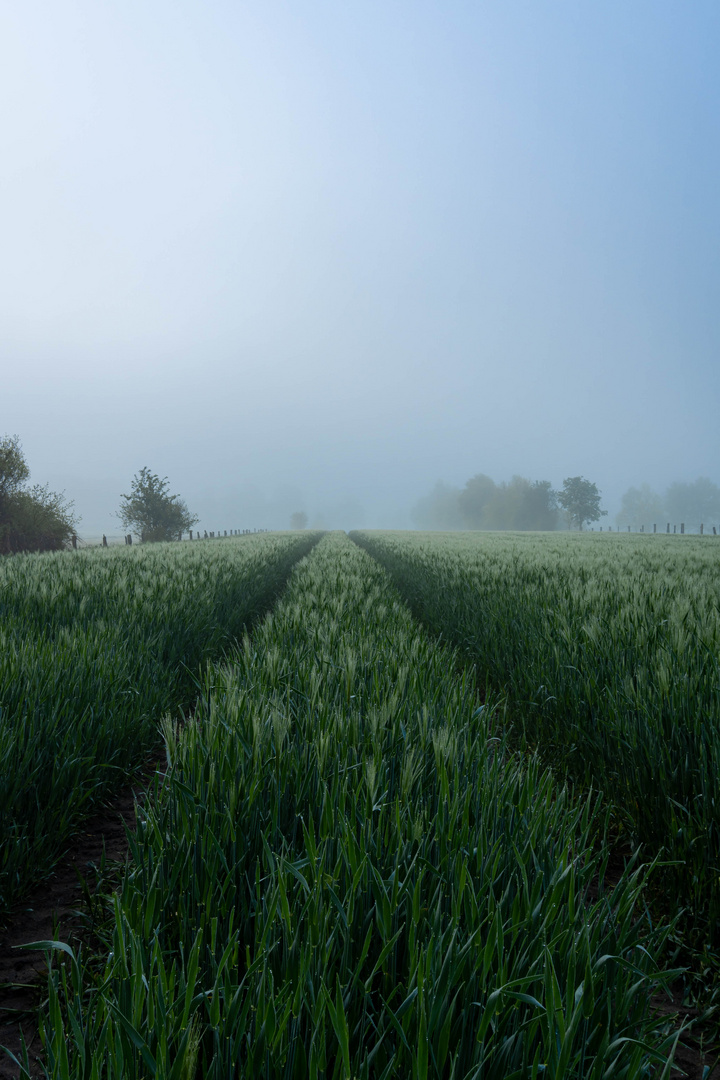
(95, 647)
(607, 651)
(382, 844)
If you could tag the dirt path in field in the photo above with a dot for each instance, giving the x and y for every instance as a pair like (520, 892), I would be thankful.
(699, 1049)
(54, 910)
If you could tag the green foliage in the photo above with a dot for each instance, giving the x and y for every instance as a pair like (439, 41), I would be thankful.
(608, 648)
(475, 498)
(580, 499)
(346, 874)
(34, 519)
(13, 468)
(151, 512)
(483, 504)
(40, 520)
(95, 647)
(522, 505)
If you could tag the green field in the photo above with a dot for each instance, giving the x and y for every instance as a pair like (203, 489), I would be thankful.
(95, 647)
(607, 649)
(360, 863)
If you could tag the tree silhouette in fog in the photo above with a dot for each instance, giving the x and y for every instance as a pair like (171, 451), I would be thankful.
(151, 512)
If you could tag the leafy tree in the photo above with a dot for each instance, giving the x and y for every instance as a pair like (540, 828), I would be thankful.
(151, 512)
(41, 520)
(474, 500)
(34, 519)
(581, 500)
(299, 520)
(640, 506)
(540, 509)
(13, 468)
(483, 504)
(521, 505)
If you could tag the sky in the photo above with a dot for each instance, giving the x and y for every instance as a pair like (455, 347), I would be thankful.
(310, 255)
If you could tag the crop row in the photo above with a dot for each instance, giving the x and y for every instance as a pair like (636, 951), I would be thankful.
(346, 873)
(609, 652)
(94, 648)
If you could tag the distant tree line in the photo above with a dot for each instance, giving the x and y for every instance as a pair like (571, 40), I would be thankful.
(692, 503)
(31, 518)
(517, 504)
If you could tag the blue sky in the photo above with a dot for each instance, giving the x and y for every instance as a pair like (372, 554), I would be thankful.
(324, 254)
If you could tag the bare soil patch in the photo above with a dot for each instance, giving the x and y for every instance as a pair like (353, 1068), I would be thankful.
(54, 911)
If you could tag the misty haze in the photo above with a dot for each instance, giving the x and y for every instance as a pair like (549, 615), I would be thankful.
(320, 257)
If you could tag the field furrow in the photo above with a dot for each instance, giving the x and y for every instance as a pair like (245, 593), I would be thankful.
(347, 873)
(95, 648)
(607, 649)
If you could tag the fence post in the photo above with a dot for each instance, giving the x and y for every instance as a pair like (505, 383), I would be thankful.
(701, 528)
(654, 528)
(682, 528)
(714, 531)
(668, 527)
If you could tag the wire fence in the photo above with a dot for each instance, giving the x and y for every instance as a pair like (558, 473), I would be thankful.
(118, 540)
(682, 530)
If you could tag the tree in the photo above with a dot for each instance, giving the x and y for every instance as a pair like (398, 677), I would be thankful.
(13, 468)
(474, 499)
(483, 504)
(640, 506)
(581, 500)
(693, 504)
(34, 519)
(151, 512)
(299, 520)
(521, 504)
(540, 507)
